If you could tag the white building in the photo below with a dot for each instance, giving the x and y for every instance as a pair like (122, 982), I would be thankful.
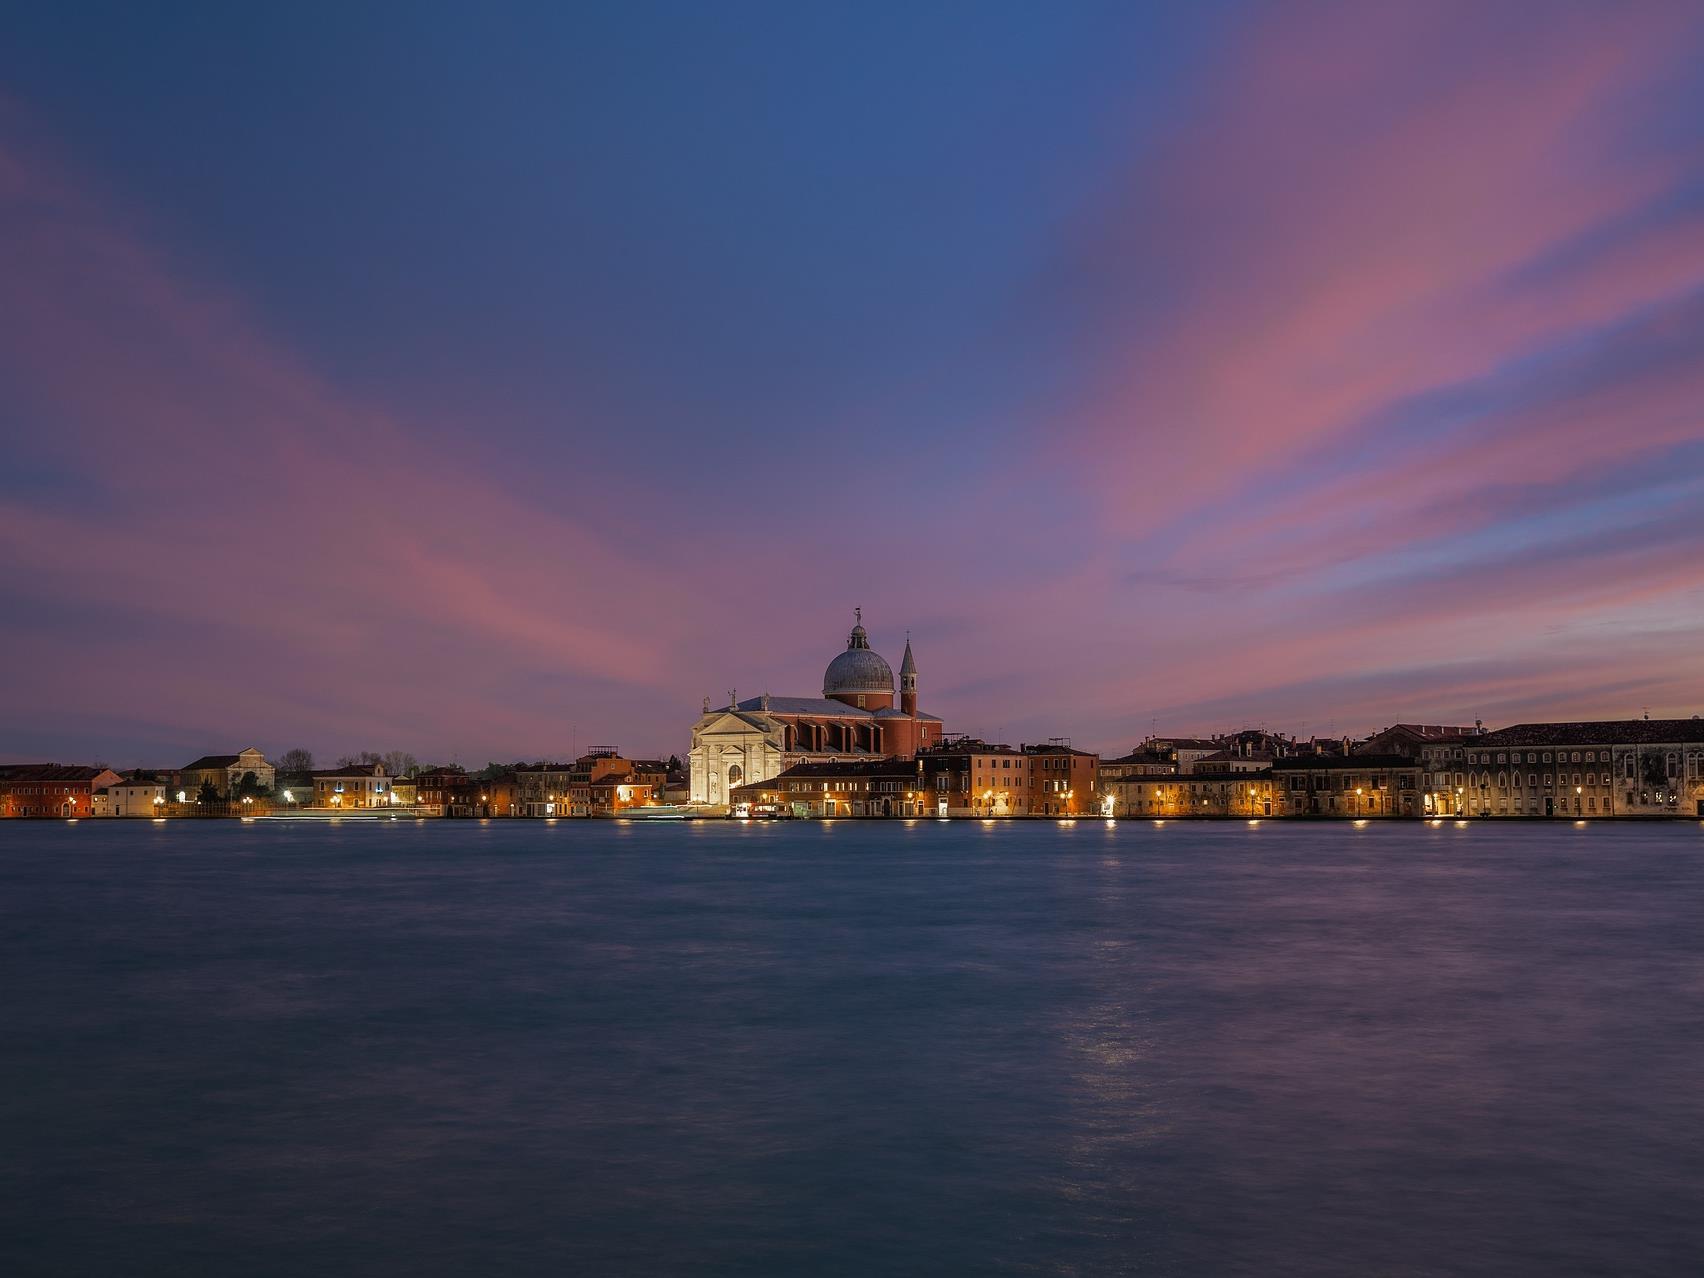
(734, 747)
(130, 798)
(855, 717)
(360, 785)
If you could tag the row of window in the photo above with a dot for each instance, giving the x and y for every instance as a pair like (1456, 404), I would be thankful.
(1206, 787)
(1590, 778)
(1694, 759)
(1560, 756)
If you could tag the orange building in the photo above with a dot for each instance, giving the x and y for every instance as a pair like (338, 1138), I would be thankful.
(1063, 781)
(967, 777)
(51, 789)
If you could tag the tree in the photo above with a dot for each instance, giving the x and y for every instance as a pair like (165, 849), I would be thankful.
(208, 794)
(396, 763)
(294, 761)
(399, 763)
(251, 788)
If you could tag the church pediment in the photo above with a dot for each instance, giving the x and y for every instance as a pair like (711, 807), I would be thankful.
(730, 723)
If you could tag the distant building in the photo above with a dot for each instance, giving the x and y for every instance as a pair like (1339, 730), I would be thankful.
(603, 780)
(1195, 794)
(499, 796)
(855, 717)
(293, 789)
(1258, 741)
(1353, 786)
(133, 796)
(359, 785)
(1139, 763)
(640, 783)
(446, 790)
(1443, 776)
(1184, 751)
(1062, 781)
(1617, 767)
(51, 789)
(964, 776)
(226, 773)
(544, 789)
(1243, 760)
(1413, 739)
(846, 788)
(1164, 756)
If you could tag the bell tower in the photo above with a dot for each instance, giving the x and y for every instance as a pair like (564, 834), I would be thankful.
(908, 680)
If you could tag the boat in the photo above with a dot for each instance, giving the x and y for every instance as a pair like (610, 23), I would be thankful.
(652, 812)
(322, 814)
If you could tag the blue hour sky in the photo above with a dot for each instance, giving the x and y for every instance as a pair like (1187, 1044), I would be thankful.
(488, 380)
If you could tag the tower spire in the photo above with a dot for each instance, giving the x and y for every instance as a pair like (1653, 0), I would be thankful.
(908, 680)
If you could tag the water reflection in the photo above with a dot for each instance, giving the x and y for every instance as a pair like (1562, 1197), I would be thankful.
(892, 1047)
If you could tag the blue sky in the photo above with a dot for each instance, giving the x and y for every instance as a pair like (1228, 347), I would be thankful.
(477, 381)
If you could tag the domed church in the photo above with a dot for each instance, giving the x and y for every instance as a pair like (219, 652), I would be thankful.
(760, 737)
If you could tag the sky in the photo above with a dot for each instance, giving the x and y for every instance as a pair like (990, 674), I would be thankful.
(494, 381)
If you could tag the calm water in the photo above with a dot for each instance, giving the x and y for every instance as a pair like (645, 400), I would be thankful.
(851, 1049)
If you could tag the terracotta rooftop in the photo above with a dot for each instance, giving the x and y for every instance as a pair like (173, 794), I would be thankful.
(1598, 732)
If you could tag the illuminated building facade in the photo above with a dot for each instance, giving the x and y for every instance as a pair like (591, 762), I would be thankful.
(1353, 786)
(356, 786)
(1618, 767)
(1063, 781)
(1196, 794)
(968, 777)
(137, 796)
(846, 788)
(51, 789)
(753, 740)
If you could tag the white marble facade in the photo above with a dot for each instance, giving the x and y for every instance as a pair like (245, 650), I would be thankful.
(733, 748)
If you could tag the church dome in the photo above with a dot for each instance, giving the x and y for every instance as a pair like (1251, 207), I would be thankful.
(858, 669)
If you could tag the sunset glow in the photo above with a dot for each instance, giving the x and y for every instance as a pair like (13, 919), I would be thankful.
(485, 392)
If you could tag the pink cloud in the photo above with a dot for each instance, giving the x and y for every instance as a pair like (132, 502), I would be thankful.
(1342, 256)
(261, 518)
